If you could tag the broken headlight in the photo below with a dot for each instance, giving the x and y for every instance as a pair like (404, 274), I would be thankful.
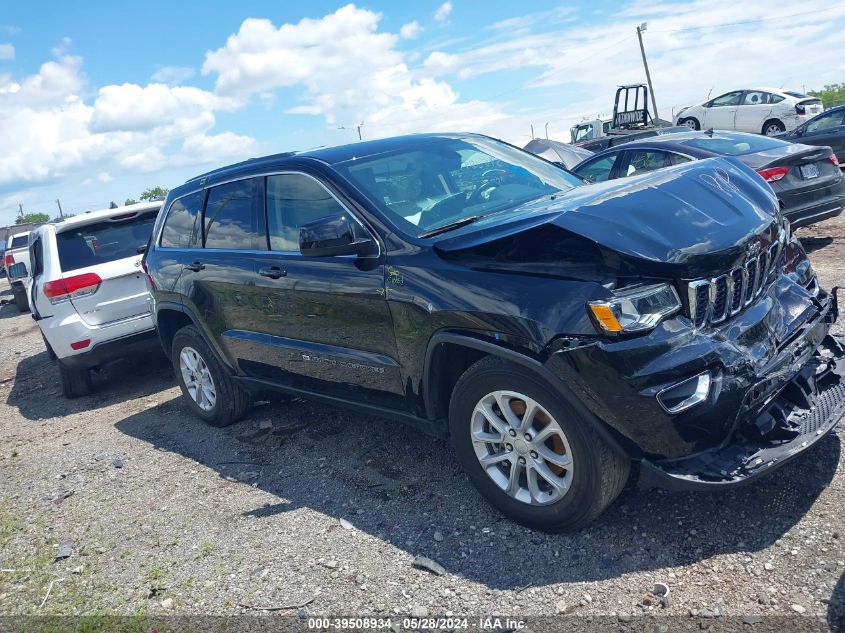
(635, 310)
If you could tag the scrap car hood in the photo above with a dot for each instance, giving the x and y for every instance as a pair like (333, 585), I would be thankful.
(680, 221)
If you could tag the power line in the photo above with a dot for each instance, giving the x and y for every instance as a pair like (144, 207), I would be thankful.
(743, 23)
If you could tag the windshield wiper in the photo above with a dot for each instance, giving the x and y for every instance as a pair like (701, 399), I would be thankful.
(451, 226)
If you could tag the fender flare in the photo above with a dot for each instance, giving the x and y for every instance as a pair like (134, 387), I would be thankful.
(533, 365)
(218, 352)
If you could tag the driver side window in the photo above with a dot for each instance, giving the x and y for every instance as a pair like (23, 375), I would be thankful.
(598, 170)
(729, 99)
(825, 122)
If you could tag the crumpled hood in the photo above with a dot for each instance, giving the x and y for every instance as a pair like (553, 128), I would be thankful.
(682, 221)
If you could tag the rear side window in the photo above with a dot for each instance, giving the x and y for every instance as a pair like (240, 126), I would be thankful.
(180, 227)
(233, 217)
(19, 240)
(294, 200)
(107, 241)
(642, 161)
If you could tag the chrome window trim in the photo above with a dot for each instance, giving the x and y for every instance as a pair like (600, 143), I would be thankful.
(266, 174)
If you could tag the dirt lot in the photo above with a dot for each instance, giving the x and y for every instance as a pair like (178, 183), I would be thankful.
(302, 501)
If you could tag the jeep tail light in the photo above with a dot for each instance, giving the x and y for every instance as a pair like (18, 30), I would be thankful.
(832, 158)
(773, 174)
(72, 287)
(10, 260)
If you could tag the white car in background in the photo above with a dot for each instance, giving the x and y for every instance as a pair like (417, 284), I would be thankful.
(88, 292)
(766, 111)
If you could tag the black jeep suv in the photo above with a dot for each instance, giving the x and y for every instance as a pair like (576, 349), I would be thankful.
(559, 333)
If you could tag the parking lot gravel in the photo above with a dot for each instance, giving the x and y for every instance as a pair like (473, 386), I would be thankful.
(122, 502)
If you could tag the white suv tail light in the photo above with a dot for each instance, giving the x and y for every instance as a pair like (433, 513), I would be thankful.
(72, 287)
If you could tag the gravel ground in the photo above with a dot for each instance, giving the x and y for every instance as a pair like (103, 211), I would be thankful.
(303, 501)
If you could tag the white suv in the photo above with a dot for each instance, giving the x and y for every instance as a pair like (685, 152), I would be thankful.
(766, 111)
(88, 292)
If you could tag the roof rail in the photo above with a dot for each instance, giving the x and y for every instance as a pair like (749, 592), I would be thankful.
(241, 164)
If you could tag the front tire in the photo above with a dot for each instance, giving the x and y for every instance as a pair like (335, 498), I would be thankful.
(206, 385)
(531, 455)
(75, 382)
(690, 122)
(772, 127)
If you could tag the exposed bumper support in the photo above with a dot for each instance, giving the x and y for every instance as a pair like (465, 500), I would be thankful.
(798, 416)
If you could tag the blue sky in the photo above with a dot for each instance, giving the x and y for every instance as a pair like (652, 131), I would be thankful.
(101, 102)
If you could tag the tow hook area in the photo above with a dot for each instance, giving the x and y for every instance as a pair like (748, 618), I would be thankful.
(803, 412)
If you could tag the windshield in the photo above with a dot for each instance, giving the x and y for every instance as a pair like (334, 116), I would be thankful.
(735, 146)
(449, 180)
(797, 95)
(583, 132)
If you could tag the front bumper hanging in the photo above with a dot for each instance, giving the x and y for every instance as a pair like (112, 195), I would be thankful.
(798, 416)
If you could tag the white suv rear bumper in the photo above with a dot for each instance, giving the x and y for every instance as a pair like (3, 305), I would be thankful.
(61, 332)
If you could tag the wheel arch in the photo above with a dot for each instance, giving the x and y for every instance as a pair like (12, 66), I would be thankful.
(441, 369)
(773, 120)
(172, 317)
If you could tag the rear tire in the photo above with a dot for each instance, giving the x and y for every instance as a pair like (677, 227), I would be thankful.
(772, 127)
(20, 299)
(690, 122)
(576, 474)
(206, 386)
(75, 382)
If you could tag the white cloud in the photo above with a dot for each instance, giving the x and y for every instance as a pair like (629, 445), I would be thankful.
(173, 74)
(132, 107)
(49, 131)
(439, 62)
(220, 146)
(410, 30)
(443, 12)
(7, 51)
(316, 55)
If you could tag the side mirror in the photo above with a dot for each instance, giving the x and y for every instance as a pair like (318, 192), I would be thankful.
(17, 271)
(334, 235)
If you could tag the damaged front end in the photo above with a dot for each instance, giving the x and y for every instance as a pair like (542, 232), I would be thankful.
(799, 412)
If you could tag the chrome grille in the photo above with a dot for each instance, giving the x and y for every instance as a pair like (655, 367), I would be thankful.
(715, 299)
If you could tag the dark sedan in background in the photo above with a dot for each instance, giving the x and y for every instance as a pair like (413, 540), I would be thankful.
(806, 179)
(828, 128)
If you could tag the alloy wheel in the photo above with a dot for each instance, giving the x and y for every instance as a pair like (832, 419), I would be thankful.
(773, 129)
(197, 379)
(521, 447)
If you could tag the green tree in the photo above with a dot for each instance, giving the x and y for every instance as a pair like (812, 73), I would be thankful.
(154, 193)
(831, 95)
(130, 201)
(32, 218)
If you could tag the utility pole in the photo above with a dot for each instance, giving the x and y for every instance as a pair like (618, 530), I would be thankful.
(61, 215)
(642, 27)
(532, 131)
(547, 131)
(20, 207)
